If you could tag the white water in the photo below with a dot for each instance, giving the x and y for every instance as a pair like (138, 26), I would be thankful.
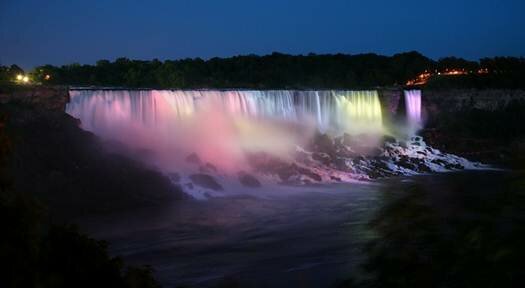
(223, 127)
(413, 109)
(220, 126)
(332, 111)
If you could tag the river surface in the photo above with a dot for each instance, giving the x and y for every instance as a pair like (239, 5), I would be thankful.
(309, 236)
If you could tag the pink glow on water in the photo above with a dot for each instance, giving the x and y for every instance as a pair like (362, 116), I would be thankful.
(220, 127)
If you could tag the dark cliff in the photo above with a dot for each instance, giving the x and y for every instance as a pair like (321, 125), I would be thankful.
(65, 167)
(48, 98)
(480, 124)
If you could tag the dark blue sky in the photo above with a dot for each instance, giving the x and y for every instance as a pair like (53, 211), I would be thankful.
(35, 32)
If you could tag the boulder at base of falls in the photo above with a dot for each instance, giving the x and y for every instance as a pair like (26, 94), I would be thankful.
(208, 168)
(248, 180)
(323, 143)
(206, 181)
(193, 158)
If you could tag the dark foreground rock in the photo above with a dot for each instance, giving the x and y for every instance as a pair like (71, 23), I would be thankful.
(248, 180)
(69, 169)
(206, 181)
(193, 158)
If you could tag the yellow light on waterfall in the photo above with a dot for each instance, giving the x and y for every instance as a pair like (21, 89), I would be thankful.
(360, 112)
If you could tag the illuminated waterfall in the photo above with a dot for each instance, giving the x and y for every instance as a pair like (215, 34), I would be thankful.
(335, 111)
(221, 126)
(413, 109)
(358, 112)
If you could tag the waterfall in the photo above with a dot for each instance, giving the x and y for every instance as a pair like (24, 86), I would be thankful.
(222, 126)
(413, 109)
(332, 111)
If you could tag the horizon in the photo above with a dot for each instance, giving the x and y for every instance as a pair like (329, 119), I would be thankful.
(60, 32)
(94, 63)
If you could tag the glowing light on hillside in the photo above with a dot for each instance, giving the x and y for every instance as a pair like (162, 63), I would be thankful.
(47, 77)
(19, 77)
(25, 79)
(423, 78)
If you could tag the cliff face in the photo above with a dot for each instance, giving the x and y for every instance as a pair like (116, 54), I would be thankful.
(67, 168)
(485, 125)
(51, 98)
(438, 102)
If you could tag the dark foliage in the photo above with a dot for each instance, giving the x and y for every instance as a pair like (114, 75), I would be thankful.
(261, 72)
(468, 234)
(34, 253)
(287, 71)
(280, 71)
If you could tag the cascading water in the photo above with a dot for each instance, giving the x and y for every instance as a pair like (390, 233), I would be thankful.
(229, 128)
(222, 125)
(337, 111)
(413, 109)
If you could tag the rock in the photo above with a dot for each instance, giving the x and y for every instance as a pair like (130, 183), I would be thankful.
(374, 152)
(174, 177)
(322, 157)
(453, 166)
(404, 162)
(40, 97)
(335, 178)
(420, 164)
(285, 172)
(323, 143)
(208, 168)
(193, 158)
(302, 156)
(206, 181)
(388, 139)
(63, 160)
(348, 140)
(340, 163)
(358, 160)
(307, 172)
(248, 180)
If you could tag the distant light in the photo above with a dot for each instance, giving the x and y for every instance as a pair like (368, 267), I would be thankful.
(19, 77)
(47, 77)
(25, 79)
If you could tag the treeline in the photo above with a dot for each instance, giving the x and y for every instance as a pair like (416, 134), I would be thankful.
(498, 72)
(271, 71)
(262, 72)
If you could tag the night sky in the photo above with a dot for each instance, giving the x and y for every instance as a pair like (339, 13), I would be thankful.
(36, 32)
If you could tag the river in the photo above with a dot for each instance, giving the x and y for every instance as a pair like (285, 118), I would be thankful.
(315, 236)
